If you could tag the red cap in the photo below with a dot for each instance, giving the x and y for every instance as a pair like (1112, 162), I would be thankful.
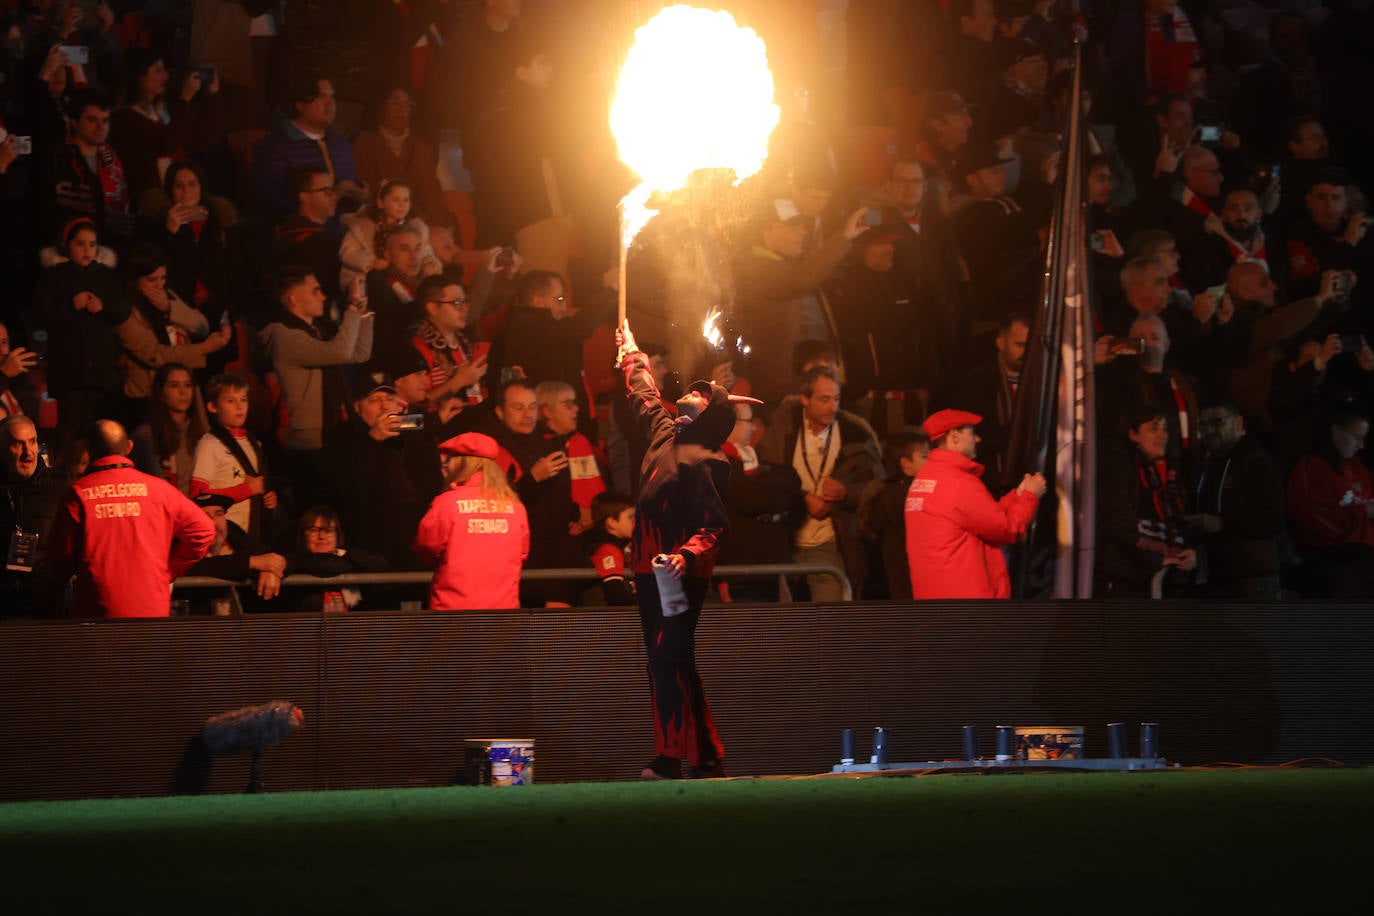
(475, 444)
(942, 421)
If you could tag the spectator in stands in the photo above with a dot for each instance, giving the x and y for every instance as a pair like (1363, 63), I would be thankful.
(882, 513)
(457, 365)
(475, 532)
(1240, 506)
(481, 42)
(235, 556)
(321, 551)
(1237, 235)
(1141, 528)
(515, 156)
(1305, 156)
(1288, 84)
(31, 494)
(1151, 49)
(17, 395)
(191, 226)
(1200, 198)
(122, 535)
(80, 302)
(1015, 98)
(544, 339)
(1331, 504)
(834, 454)
(1255, 341)
(759, 506)
(230, 461)
(955, 531)
(368, 231)
(608, 549)
(1145, 285)
(82, 175)
(161, 327)
(778, 295)
(1330, 237)
(391, 290)
(925, 256)
(391, 150)
(945, 126)
(890, 345)
(150, 130)
(970, 53)
(990, 388)
(166, 442)
(379, 477)
(311, 235)
(1152, 379)
(545, 488)
(307, 354)
(558, 422)
(996, 236)
(303, 138)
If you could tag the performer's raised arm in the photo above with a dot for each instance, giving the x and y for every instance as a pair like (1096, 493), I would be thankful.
(645, 401)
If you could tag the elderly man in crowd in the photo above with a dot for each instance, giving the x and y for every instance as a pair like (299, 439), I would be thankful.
(31, 491)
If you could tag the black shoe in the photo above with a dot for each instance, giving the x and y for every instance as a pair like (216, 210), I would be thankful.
(661, 768)
(711, 769)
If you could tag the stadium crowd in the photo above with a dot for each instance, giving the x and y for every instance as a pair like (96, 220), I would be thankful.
(280, 281)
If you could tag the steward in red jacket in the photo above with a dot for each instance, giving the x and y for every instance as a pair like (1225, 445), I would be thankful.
(476, 532)
(123, 534)
(954, 528)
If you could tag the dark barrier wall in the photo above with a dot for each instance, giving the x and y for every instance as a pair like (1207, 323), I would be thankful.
(111, 708)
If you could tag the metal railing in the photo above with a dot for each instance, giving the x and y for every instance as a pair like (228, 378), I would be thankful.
(744, 571)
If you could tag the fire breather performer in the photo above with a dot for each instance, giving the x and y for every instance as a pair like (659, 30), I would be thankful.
(680, 523)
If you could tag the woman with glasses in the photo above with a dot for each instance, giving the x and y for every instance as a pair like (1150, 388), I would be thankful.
(320, 552)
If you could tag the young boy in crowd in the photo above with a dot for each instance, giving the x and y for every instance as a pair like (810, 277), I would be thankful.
(883, 516)
(229, 460)
(608, 545)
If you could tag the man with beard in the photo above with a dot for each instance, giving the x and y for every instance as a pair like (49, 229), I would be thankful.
(990, 390)
(1330, 237)
(1234, 236)
(680, 522)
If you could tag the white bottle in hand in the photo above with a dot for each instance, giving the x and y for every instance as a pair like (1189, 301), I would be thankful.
(670, 593)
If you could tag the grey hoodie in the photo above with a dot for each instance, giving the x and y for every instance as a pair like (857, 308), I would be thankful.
(298, 356)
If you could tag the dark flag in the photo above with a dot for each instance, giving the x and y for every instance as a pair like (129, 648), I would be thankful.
(1053, 421)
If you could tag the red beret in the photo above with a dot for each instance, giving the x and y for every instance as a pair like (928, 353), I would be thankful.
(475, 444)
(942, 421)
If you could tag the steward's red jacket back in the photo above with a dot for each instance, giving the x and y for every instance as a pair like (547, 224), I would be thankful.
(125, 536)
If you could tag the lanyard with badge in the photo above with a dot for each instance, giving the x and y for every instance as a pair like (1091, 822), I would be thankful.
(825, 456)
(23, 544)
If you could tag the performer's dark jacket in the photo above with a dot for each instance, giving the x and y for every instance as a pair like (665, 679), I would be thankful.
(684, 477)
